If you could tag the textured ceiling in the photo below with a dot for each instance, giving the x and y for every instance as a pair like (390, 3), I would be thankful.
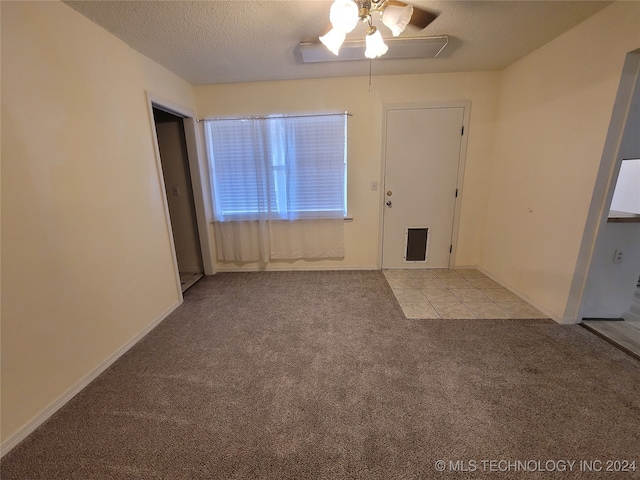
(214, 41)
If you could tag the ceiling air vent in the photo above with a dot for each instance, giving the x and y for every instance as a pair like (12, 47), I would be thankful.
(420, 47)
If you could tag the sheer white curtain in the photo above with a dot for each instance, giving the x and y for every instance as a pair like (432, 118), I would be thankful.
(278, 186)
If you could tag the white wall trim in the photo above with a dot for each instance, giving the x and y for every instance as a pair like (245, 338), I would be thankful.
(604, 185)
(151, 102)
(292, 268)
(199, 179)
(45, 414)
(466, 267)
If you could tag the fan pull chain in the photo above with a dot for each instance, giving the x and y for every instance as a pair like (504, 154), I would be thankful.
(370, 75)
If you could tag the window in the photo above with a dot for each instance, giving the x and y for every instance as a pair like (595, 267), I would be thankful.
(278, 167)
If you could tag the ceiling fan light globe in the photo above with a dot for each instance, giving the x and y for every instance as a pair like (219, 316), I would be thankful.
(333, 40)
(375, 45)
(396, 18)
(343, 15)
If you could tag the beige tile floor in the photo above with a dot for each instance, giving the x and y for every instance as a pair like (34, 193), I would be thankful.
(459, 294)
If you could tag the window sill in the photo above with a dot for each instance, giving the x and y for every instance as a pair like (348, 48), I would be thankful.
(346, 219)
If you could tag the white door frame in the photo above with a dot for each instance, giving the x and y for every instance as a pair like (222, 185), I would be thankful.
(604, 186)
(466, 105)
(199, 181)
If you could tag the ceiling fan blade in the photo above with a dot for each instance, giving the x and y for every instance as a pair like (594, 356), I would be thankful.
(421, 18)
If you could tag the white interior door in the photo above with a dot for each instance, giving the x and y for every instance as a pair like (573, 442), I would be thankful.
(422, 155)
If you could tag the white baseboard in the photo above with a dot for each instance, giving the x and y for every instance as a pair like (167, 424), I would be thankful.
(220, 268)
(44, 415)
(466, 267)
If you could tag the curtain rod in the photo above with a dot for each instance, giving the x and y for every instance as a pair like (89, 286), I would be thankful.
(269, 117)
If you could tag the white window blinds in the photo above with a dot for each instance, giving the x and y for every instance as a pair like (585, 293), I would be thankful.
(285, 168)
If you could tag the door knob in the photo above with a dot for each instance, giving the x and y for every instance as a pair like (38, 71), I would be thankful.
(388, 203)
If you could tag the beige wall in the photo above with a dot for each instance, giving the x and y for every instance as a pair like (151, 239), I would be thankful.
(86, 259)
(555, 107)
(364, 144)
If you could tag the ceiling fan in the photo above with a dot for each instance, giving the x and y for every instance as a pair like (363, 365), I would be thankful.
(395, 15)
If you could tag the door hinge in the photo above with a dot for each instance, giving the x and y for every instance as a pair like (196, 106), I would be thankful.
(462, 131)
(450, 248)
(456, 193)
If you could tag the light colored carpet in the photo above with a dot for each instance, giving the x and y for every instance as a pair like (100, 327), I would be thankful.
(318, 375)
